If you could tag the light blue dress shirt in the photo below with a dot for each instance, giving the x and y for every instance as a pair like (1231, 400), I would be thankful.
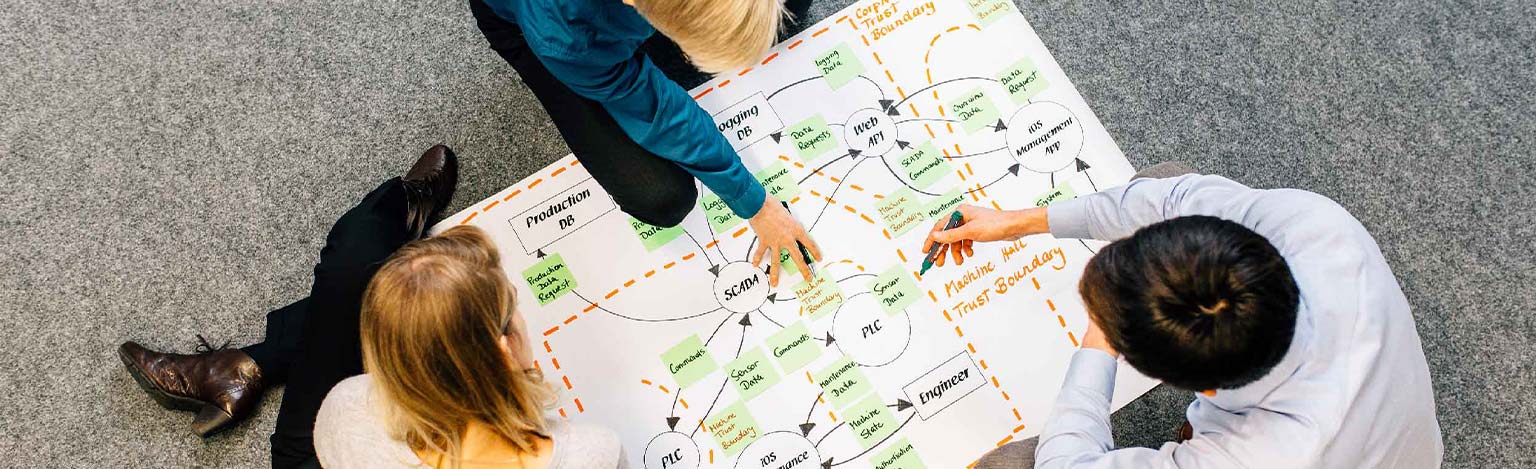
(1353, 390)
(592, 47)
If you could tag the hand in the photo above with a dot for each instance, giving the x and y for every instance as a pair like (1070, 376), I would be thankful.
(1094, 338)
(982, 224)
(777, 232)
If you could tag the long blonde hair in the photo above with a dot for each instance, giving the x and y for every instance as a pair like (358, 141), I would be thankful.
(717, 35)
(432, 324)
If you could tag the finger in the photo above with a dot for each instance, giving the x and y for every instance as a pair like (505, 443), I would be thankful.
(961, 232)
(757, 254)
(959, 249)
(970, 248)
(943, 252)
(928, 241)
(773, 271)
(805, 271)
(810, 245)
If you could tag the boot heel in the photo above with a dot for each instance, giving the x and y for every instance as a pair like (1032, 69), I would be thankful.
(211, 419)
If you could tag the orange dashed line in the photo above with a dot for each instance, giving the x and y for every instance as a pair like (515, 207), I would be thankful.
(711, 452)
(887, 233)
(649, 274)
(948, 125)
(567, 381)
(557, 172)
(929, 72)
(562, 413)
(967, 165)
(935, 94)
(946, 316)
(814, 193)
(879, 197)
(744, 71)
(808, 377)
(739, 232)
(630, 282)
(947, 155)
(468, 218)
(556, 361)
(1019, 428)
(799, 165)
(930, 131)
(535, 182)
(575, 162)
(901, 92)
(952, 29)
(888, 76)
(958, 332)
(796, 44)
(927, 55)
(996, 384)
(914, 110)
(570, 319)
(971, 346)
(877, 59)
(701, 95)
(1005, 440)
(1037, 282)
(850, 209)
(547, 348)
(855, 187)
(903, 257)
(1016, 415)
(492, 204)
(770, 58)
(1006, 397)
(931, 296)
(819, 399)
(579, 407)
(973, 26)
(723, 83)
(984, 364)
(551, 331)
(996, 206)
(537, 366)
(866, 40)
(866, 218)
(664, 388)
(513, 194)
(684, 401)
(689, 256)
(833, 178)
(610, 294)
(645, 381)
(981, 189)
(934, 41)
(669, 265)
(822, 31)
(1073, 337)
(1050, 303)
(711, 244)
(795, 200)
(961, 174)
(1061, 320)
(834, 416)
(942, 114)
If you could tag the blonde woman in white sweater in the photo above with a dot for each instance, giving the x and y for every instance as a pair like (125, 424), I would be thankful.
(449, 377)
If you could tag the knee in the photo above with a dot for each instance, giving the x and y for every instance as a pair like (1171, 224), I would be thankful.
(664, 206)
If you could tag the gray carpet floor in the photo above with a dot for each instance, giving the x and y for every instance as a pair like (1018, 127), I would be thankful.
(169, 168)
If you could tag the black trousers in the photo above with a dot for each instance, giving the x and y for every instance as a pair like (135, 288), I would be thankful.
(313, 343)
(646, 186)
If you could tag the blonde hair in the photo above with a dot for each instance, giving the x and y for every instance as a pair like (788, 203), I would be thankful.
(432, 324)
(717, 35)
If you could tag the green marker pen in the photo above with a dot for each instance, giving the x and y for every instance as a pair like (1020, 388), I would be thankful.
(933, 251)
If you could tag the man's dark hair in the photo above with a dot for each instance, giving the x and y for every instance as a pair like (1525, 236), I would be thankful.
(1198, 302)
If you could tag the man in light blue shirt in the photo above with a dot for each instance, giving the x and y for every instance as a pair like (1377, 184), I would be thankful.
(1275, 305)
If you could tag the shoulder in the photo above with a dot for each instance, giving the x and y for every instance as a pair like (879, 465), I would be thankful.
(585, 446)
(350, 430)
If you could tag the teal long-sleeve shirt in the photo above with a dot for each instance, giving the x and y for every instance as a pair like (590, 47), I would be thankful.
(593, 47)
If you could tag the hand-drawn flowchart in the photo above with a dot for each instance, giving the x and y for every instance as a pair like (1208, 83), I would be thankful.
(871, 125)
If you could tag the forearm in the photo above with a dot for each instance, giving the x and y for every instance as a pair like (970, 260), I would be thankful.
(1078, 429)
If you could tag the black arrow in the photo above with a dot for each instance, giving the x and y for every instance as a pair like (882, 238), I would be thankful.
(885, 104)
(829, 340)
(776, 136)
(805, 428)
(999, 127)
(773, 297)
(1082, 166)
(539, 253)
(900, 405)
(746, 320)
(1014, 169)
(854, 152)
(714, 269)
(826, 464)
(672, 422)
(903, 144)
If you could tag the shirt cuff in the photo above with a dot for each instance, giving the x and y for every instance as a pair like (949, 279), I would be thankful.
(1094, 370)
(749, 201)
(1069, 219)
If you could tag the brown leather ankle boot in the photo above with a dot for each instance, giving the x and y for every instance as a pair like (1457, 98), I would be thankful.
(429, 186)
(222, 385)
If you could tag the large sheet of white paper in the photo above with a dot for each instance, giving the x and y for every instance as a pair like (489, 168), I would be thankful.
(871, 125)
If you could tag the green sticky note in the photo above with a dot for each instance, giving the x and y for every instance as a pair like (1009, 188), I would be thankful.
(842, 382)
(549, 279)
(989, 11)
(1023, 80)
(974, 111)
(794, 347)
(654, 236)
(689, 361)
(924, 165)
(733, 428)
(778, 182)
(944, 205)
(894, 289)
(720, 216)
(899, 455)
(900, 210)
(839, 66)
(812, 138)
(752, 373)
(870, 420)
(819, 296)
(1056, 194)
(787, 266)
